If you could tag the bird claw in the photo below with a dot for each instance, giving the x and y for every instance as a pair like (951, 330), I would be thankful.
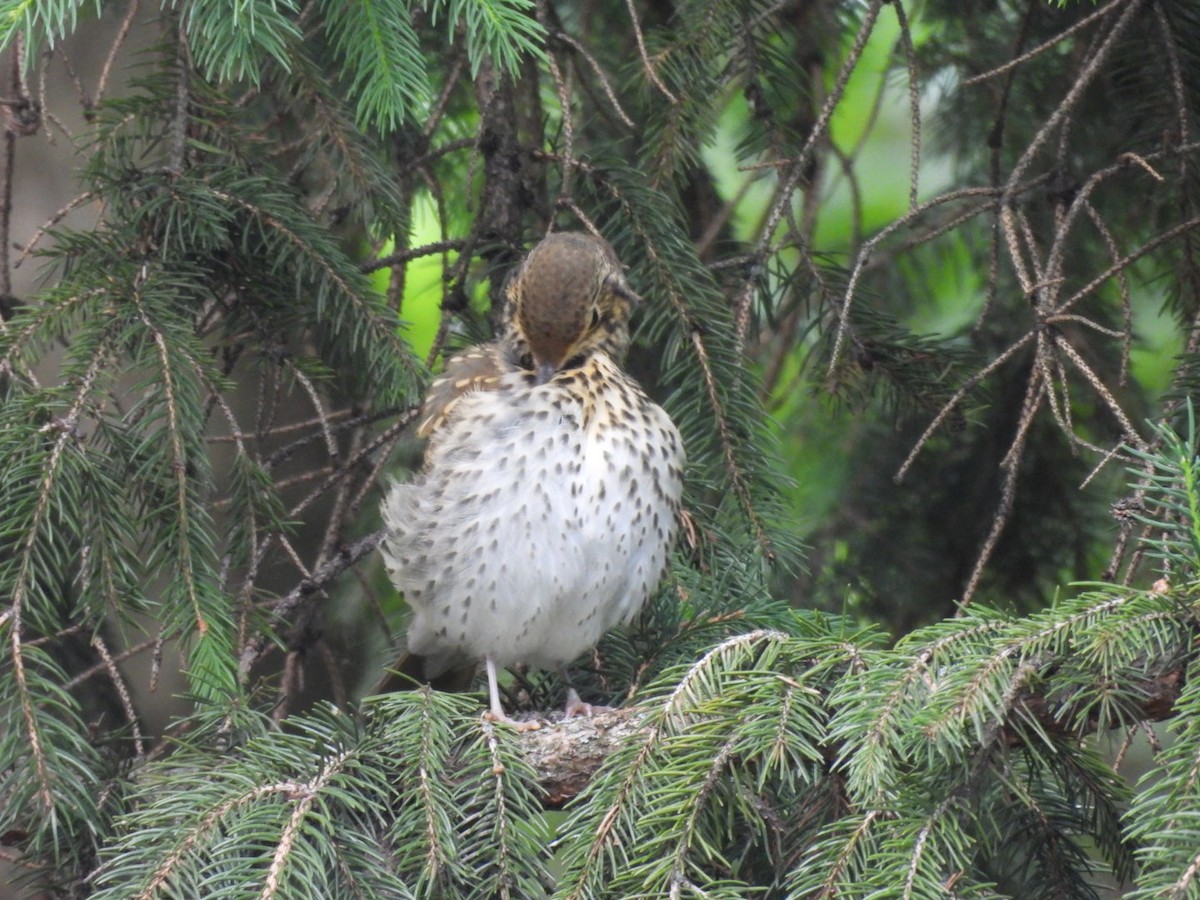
(503, 719)
(576, 708)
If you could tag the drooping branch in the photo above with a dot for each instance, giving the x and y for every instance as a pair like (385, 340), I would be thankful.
(567, 753)
(287, 605)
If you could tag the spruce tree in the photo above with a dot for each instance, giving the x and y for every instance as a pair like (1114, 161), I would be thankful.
(921, 290)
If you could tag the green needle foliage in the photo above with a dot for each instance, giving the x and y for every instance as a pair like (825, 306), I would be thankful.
(921, 291)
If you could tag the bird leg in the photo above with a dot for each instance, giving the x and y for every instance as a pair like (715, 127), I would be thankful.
(496, 713)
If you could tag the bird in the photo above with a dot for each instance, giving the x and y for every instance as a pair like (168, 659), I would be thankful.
(548, 500)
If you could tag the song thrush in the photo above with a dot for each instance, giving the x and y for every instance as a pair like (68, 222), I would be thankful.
(548, 499)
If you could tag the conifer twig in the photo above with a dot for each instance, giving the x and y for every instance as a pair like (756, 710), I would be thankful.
(646, 64)
(283, 609)
(1044, 46)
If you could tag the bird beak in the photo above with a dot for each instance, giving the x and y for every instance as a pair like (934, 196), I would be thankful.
(622, 290)
(545, 371)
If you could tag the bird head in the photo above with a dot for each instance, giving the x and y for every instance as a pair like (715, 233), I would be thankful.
(570, 299)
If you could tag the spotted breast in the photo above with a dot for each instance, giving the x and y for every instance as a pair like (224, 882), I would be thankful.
(547, 505)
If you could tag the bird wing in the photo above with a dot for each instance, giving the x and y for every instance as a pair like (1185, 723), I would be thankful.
(476, 369)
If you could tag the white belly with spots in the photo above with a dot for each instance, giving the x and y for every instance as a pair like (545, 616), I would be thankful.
(539, 523)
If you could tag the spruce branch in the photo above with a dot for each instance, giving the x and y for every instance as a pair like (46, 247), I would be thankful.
(21, 590)
(286, 606)
(793, 178)
(303, 795)
(179, 466)
(1054, 41)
